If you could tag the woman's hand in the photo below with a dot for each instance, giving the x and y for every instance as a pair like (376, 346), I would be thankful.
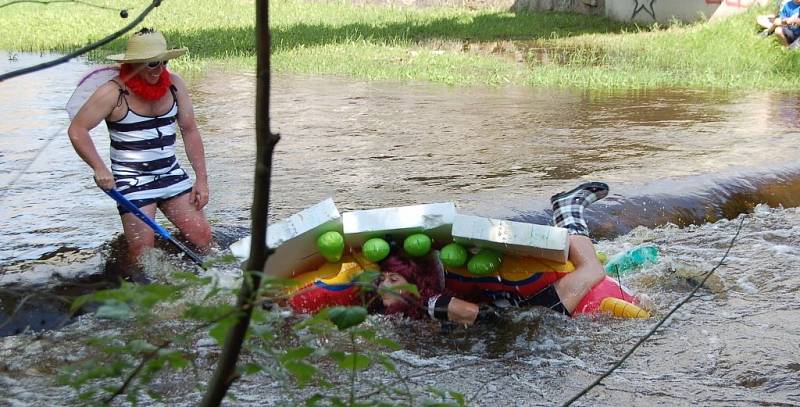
(104, 179)
(199, 195)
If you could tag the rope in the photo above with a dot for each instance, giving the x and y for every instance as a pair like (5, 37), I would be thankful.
(661, 322)
(7, 188)
(83, 50)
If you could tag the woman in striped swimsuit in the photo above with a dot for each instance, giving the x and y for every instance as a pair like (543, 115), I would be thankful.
(142, 108)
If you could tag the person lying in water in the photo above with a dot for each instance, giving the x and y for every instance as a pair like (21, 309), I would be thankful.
(561, 292)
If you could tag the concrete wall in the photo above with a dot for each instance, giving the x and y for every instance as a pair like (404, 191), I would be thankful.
(641, 11)
(665, 11)
(662, 11)
(594, 7)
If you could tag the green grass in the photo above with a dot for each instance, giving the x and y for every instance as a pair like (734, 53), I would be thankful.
(445, 45)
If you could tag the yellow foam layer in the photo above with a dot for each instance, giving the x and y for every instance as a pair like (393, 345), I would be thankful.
(623, 309)
(516, 268)
(341, 272)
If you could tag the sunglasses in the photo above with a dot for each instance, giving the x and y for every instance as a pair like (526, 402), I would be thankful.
(156, 64)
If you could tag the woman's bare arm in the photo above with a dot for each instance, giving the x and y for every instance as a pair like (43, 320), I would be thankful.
(193, 143)
(96, 108)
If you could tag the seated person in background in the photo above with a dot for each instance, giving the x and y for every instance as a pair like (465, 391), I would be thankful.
(562, 295)
(786, 26)
(765, 21)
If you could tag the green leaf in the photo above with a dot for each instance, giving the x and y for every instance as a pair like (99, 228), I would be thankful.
(87, 395)
(152, 367)
(222, 260)
(346, 317)
(367, 334)
(114, 310)
(154, 293)
(302, 372)
(79, 302)
(155, 396)
(320, 320)
(337, 355)
(387, 363)
(388, 343)
(207, 312)
(132, 396)
(367, 278)
(212, 292)
(296, 354)
(258, 315)
(141, 345)
(269, 282)
(312, 401)
(122, 294)
(221, 328)
(251, 368)
(175, 358)
(185, 276)
(262, 331)
(458, 397)
(354, 361)
(436, 391)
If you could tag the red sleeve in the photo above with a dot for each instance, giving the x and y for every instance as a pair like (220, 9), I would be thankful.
(320, 295)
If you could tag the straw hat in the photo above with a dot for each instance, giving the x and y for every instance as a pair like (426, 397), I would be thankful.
(147, 46)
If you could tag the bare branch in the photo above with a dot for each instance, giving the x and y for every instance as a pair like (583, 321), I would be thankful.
(224, 374)
(83, 50)
(135, 372)
(44, 2)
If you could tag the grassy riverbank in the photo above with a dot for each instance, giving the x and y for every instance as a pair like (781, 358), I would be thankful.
(460, 47)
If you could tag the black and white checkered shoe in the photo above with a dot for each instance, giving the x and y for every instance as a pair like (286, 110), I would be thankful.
(568, 206)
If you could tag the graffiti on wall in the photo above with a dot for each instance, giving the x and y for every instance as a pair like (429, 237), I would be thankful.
(733, 3)
(644, 5)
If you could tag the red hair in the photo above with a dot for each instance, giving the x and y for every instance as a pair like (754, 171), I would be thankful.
(424, 274)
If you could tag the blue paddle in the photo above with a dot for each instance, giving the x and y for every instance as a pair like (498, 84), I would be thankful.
(153, 225)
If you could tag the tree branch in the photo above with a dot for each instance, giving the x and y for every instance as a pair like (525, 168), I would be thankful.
(46, 2)
(83, 50)
(225, 372)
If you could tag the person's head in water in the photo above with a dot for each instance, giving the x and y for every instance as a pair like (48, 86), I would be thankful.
(398, 271)
(143, 66)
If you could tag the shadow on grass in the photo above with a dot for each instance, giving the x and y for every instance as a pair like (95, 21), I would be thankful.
(239, 41)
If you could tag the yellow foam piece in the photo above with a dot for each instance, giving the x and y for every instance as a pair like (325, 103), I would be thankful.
(623, 309)
(327, 270)
(347, 272)
(516, 268)
(341, 272)
(365, 263)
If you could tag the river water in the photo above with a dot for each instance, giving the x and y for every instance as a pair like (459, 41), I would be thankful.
(684, 167)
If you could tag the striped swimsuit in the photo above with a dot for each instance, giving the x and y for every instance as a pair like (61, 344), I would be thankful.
(143, 156)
